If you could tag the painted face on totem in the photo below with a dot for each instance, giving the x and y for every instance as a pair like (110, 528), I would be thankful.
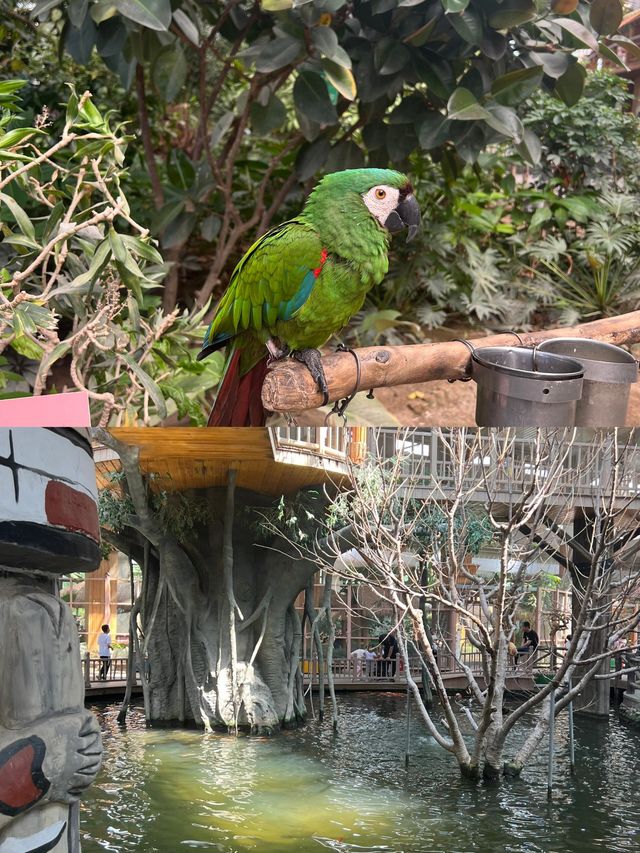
(48, 501)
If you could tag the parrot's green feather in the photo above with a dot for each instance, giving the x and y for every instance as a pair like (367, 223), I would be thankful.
(302, 281)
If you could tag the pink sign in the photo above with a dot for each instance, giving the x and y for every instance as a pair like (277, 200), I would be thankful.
(52, 410)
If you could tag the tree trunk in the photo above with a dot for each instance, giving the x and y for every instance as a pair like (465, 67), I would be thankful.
(220, 631)
(593, 701)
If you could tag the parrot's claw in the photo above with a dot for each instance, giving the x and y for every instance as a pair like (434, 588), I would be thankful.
(313, 361)
(276, 352)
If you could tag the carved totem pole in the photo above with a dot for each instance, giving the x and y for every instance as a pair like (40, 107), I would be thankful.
(50, 747)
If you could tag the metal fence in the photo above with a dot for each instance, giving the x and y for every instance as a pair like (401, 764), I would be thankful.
(426, 459)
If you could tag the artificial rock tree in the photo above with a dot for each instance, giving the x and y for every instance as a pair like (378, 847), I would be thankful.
(217, 635)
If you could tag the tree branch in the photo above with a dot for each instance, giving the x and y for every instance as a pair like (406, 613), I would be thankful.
(289, 387)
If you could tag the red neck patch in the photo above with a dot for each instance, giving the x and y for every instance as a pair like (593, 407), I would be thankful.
(323, 258)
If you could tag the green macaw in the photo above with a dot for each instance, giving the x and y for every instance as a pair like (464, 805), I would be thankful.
(302, 281)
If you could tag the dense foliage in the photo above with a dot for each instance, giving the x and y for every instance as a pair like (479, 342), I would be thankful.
(78, 274)
(241, 104)
(231, 110)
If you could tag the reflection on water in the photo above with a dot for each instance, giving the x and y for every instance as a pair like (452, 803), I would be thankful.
(167, 791)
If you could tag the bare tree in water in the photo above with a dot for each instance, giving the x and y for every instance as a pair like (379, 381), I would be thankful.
(536, 495)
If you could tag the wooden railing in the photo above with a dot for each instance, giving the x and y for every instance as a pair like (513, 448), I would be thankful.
(92, 670)
(359, 670)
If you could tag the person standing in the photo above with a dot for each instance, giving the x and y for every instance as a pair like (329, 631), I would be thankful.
(389, 654)
(104, 650)
(530, 641)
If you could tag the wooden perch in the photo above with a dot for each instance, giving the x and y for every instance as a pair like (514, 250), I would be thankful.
(289, 387)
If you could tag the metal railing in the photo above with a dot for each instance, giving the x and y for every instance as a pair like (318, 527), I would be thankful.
(427, 461)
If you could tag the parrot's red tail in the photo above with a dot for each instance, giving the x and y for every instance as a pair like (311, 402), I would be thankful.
(239, 400)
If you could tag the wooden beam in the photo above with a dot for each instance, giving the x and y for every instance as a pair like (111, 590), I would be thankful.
(289, 387)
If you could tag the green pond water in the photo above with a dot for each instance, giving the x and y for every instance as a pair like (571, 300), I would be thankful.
(169, 791)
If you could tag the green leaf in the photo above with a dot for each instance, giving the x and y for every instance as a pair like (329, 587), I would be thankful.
(468, 25)
(530, 148)
(631, 47)
(326, 41)
(221, 127)
(512, 13)
(312, 157)
(276, 5)
(513, 88)
(345, 155)
(81, 41)
(169, 71)
(22, 220)
(117, 246)
(10, 87)
(187, 26)
(553, 64)
(580, 33)
(277, 53)
(76, 11)
(154, 14)
(148, 384)
(505, 120)
(454, 5)
(210, 227)
(25, 346)
(581, 208)
(390, 56)
(166, 214)
(12, 137)
(98, 262)
(311, 97)
(570, 86)
(434, 130)
(90, 113)
(463, 106)
(180, 170)
(605, 16)
(611, 55)
(541, 215)
(103, 10)
(268, 118)
(112, 35)
(142, 249)
(56, 354)
(178, 230)
(341, 78)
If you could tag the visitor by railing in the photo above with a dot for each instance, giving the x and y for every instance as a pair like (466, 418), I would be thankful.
(359, 669)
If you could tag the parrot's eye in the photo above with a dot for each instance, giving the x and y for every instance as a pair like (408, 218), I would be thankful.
(380, 193)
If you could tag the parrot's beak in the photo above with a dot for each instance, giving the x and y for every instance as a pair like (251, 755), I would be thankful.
(406, 215)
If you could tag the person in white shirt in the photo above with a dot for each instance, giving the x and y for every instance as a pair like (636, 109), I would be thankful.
(359, 657)
(104, 650)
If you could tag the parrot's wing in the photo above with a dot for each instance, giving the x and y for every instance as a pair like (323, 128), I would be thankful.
(270, 284)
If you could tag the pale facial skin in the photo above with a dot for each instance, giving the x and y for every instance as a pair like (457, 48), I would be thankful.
(381, 200)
